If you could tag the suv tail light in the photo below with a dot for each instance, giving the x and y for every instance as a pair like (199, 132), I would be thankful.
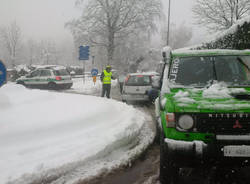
(58, 78)
(126, 80)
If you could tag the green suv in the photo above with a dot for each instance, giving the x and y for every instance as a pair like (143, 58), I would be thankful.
(48, 77)
(203, 110)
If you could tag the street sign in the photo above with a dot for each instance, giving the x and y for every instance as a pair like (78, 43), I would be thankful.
(3, 73)
(84, 53)
(94, 72)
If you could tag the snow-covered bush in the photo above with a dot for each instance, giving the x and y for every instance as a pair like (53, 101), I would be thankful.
(236, 37)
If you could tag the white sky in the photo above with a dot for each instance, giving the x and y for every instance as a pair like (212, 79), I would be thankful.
(44, 19)
(39, 19)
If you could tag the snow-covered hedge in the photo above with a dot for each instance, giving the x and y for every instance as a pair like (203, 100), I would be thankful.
(236, 37)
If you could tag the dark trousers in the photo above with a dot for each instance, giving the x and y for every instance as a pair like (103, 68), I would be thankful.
(106, 90)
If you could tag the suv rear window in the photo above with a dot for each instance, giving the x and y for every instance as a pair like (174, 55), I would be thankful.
(61, 72)
(139, 80)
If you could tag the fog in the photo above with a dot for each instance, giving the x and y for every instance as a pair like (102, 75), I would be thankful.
(45, 40)
(45, 19)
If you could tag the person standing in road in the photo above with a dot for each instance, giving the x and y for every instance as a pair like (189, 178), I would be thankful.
(106, 77)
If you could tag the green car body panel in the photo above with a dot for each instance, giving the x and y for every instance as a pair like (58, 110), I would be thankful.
(197, 103)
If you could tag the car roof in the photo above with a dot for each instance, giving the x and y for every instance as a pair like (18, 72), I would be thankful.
(208, 52)
(53, 67)
(144, 73)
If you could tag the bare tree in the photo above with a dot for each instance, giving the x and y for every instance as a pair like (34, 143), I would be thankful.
(179, 35)
(48, 52)
(105, 21)
(11, 37)
(218, 15)
(32, 49)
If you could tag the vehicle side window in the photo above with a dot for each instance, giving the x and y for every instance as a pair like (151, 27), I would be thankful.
(45, 73)
(61, 72)
(35, 73)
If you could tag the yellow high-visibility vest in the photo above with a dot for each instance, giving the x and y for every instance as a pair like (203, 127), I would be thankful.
(107, 77)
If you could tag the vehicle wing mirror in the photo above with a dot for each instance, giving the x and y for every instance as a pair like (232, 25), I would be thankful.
(164, 54)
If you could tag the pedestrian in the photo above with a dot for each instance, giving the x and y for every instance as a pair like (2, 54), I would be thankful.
(106, 77)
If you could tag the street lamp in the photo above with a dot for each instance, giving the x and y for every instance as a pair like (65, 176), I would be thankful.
(168, 21)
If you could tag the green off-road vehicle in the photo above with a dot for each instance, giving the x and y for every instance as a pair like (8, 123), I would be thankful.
(203, 109)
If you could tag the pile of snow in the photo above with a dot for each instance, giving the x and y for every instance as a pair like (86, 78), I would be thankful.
(221, 90)
(183, 97)
(65, 138)
(20, 68)
(217, 90)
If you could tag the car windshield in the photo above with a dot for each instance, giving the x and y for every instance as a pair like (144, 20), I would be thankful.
(200, 71)
(139, 80)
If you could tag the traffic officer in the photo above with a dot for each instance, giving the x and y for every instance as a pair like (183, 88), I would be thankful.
(106, 77)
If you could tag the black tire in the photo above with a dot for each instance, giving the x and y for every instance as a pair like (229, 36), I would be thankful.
(52, 85)
(21, 83)
(69, 86)
(157, 133)
(168, 170)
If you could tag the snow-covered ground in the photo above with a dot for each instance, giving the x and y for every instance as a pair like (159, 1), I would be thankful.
(87, 86)
(53, 137)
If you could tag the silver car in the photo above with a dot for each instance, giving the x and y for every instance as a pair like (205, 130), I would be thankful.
(51, 77)
(136, 86)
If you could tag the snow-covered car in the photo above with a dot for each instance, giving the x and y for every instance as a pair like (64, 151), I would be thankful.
(136, 86)
(203, 110)
(49, 77)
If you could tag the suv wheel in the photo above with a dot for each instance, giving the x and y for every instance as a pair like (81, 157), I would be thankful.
(168, 169)
(52, 85)
(21, 82)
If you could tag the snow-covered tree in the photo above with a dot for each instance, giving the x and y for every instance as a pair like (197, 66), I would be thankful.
(104, 22)
(219, 15)
(11, 38)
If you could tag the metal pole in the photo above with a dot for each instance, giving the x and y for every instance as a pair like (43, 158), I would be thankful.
(83, 72)
(168, 21)
(93, 61)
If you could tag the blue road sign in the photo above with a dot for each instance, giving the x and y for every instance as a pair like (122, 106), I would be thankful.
(94, 72)
(84, 53)
(3, 73)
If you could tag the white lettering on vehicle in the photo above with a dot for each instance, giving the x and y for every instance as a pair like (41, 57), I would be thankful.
(240, 115)
(174, 70)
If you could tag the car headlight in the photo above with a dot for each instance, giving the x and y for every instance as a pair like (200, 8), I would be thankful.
(186, 122)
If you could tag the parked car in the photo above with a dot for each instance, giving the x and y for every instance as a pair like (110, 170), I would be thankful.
(203, 111)
(49, 77)
(136, 86)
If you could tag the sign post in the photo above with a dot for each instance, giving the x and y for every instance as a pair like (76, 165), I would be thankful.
(3, 74)
(94, 73)
(84, 55)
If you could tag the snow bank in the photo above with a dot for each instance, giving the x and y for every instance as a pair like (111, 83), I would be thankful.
(64, 138)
